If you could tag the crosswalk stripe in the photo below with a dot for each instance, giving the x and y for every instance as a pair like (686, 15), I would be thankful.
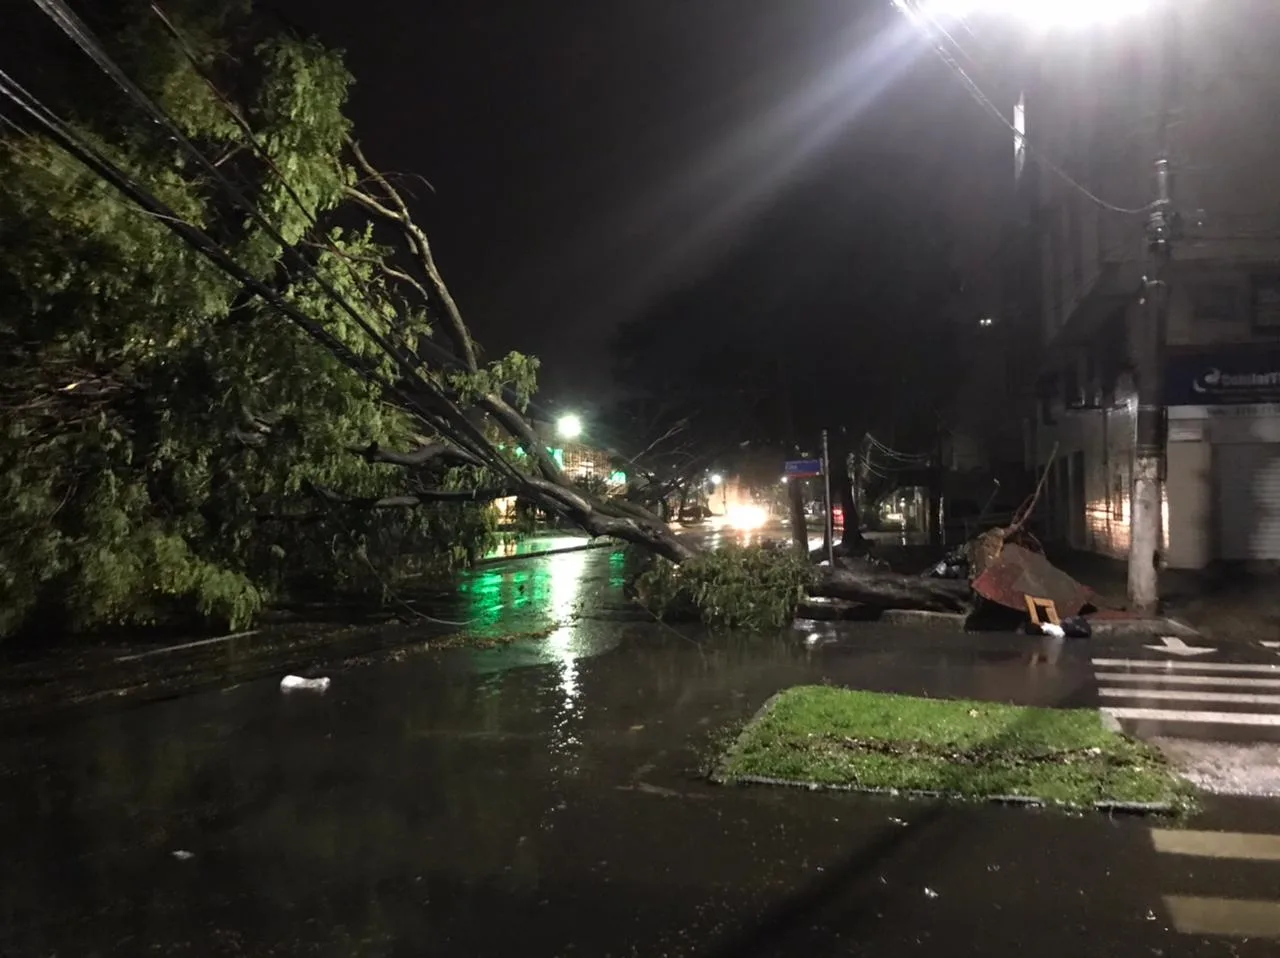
(1236, 918)
(1200, 718)
(1189, 695)
(1239, 681)
(1238, 845)
(1187, 666)
(1272, 645)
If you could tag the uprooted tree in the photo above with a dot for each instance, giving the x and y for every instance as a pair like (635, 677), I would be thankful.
(230, 362)
(215, 385)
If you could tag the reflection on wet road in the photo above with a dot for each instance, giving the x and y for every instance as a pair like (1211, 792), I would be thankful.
(545, 799)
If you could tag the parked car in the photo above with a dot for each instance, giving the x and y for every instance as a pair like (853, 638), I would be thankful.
(691, 515)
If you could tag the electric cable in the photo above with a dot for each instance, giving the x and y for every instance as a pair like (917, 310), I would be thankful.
(92, 47)
(985, 102)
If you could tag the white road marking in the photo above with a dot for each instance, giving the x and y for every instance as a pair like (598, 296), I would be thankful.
(1177, 841)
(1224, 916)
(1175, 646)
(1190, 695)
(1201, 718)
(1271, 645)
(1173, 666)
(1240, 681)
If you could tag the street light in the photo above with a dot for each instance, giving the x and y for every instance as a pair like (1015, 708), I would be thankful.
(716, 478)
(1040, 15)
(569, 427)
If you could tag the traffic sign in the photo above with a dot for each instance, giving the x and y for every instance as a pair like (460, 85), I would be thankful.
(803, 468)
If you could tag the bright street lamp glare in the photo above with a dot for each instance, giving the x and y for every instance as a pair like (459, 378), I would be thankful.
(716, 478)
(569, 427)
(1036, 14)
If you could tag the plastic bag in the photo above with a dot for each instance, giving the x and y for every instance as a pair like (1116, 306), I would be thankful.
(290, 682)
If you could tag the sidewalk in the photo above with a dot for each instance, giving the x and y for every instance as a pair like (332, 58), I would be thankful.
(1228, 605)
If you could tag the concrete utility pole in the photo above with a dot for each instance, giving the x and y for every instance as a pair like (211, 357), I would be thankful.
(1146, 526)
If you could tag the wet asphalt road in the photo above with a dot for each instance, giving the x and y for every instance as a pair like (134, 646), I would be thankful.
(546, 799)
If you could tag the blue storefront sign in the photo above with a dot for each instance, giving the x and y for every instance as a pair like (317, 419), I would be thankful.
(1224, 376)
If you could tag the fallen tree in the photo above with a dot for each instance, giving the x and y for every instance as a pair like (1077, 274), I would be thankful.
(365, 306)
(891, 590)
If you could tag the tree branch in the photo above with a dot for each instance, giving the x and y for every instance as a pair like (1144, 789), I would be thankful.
(651, 534)
(520, 430)
(421, 456)
(675, 430)
(397, 213)
(414, 500)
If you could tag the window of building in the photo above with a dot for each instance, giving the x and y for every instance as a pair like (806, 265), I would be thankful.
(1072, 395)
(1266, 304)
(1047, 389)
(1212, 302)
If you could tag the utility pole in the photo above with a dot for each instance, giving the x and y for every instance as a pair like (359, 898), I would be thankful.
(1146, 526)
(936, 472)
(829, 519)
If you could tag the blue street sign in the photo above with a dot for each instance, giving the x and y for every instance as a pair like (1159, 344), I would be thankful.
(803, 468)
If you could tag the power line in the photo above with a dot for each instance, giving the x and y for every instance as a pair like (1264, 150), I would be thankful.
(971, 85)
(62, 135)
(892, 453)
(455, 423)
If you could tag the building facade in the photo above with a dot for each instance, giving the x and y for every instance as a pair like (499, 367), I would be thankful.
(1089, 115)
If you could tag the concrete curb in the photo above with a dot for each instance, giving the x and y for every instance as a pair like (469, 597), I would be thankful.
(715, 776)
(1128, 808)
(948, 621)
(1143, 628)
(495, 560)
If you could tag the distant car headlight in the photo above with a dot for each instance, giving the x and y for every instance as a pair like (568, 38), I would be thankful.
(747, 517)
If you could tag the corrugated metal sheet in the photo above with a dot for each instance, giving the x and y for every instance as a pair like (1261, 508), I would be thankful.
(1017, 573)
(1248, 487)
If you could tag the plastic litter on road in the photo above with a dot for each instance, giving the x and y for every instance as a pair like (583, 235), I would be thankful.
(290, 682)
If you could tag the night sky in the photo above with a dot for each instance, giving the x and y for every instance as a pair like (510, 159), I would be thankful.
(589, 157)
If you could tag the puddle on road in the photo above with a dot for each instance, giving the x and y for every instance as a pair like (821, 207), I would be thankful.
(541, 781)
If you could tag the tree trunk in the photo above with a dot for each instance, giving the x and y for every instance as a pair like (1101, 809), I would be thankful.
(890, 590)
(852, 542)
(799, 528)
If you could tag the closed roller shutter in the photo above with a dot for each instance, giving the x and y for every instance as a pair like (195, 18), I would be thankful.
(1248, 481)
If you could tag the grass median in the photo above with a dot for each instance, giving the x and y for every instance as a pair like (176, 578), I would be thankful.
(977, 750)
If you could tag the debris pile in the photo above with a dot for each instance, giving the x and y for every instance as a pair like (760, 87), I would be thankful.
(1004, 566)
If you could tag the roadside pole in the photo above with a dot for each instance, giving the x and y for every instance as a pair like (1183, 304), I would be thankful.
(799, 528)
(795, 472)
(1146, 532)
(826, 482)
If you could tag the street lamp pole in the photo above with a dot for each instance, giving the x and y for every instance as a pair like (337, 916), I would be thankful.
(1146, 526)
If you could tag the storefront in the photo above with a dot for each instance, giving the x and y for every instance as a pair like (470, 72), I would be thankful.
(1224, 454)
